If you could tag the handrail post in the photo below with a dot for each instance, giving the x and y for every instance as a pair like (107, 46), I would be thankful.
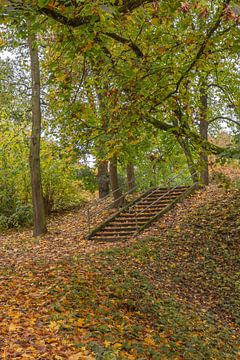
(161, 197)
(136, 220)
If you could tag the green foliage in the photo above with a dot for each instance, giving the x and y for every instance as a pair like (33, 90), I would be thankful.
(88, 177)
(61, 186)
(149, 87)
(42, 3)
(221, 179)
(21, 215)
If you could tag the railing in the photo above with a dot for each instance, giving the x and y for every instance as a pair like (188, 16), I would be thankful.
(137, 213)
(93, 214)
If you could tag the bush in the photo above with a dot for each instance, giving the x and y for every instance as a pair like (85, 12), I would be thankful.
(21, 215)
(61, 186)
(3, 222)
(88, 178)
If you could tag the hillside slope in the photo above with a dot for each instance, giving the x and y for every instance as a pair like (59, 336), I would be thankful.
(171, 294)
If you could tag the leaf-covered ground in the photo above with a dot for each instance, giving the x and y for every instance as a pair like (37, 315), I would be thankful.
(173, 293)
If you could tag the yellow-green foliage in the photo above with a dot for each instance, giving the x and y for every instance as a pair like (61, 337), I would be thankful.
(59, 175)
(61, 186)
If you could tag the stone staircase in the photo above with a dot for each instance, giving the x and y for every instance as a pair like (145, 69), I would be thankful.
(139, 214)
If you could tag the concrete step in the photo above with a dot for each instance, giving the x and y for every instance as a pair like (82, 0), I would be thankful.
(110, 239)
(115, 233)
(125, 224)
(112, 227)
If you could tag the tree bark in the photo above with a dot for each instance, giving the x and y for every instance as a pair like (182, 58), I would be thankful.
(191, 166)
(130, 176)
(117, 192)
(203, 128)
(103, 179)
(39, 220)
(101, 110)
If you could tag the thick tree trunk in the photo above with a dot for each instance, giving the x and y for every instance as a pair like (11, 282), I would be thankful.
(130, 176)
(117, 192)
(103, 179)
(203, 128)
(39, 220)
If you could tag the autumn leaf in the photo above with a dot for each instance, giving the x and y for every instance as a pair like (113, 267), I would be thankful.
(12, 327)
(54, 326)
(80, 322)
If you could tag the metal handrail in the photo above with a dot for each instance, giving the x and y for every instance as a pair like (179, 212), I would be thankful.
(99, 200)
(107, 206)
(112, 192)
(94, 215)
(174, 177)
(156, 201)
(105, 197)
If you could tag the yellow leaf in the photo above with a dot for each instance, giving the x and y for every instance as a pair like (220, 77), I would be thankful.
(130, 18)
(88, 47)
(149, 341)
(61, 77)
(107, 343)
(54, 326)
(68, 149)
(12, 327)
(80, 322)
(2, 42)
(82, 355)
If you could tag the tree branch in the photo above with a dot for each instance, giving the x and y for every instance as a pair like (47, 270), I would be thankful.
(224, 118)
(123, 8)
(180, 132)
(123, 40)
(200, 52)
(224, 91)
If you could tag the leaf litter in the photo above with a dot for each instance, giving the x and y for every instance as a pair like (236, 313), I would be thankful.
(171, 293)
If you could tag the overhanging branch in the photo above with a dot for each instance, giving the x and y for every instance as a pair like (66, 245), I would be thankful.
(122, 7)
(188, 133)
(128, 42)
(199, 54)
(224, 118)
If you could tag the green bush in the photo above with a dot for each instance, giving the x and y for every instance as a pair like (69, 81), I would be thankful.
(88, 178)
(21, 215)
(62, 187)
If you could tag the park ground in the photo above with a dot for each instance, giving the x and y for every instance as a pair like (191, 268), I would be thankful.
(171, 293)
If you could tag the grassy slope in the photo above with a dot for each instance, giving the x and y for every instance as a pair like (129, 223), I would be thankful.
(172, 296)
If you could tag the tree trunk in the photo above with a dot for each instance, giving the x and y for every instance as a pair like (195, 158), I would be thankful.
(39, 220)
(101, 110)
(191, 166)
(103, 179)
(203, 128)
(130, 177)
(117, 192)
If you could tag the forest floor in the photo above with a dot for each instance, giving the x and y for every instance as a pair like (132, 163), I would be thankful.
(171, 293)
